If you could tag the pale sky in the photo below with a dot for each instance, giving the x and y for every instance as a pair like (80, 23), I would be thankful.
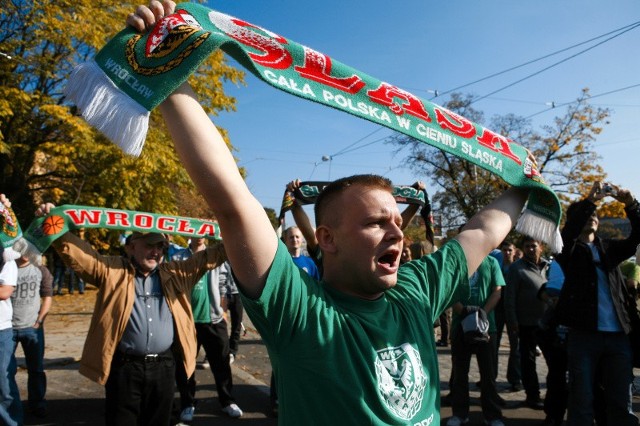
(422, 46)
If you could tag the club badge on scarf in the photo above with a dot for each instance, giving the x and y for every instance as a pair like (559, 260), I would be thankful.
(45, 230)
(13, 242)
(134, 73)
(11, 231)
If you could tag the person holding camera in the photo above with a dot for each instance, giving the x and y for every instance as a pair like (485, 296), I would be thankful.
(142, 317)
(592, 304)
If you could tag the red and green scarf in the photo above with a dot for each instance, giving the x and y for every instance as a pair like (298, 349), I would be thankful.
(45, 230)
(134, 73)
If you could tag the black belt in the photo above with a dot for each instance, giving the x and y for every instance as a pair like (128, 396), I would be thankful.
(164, 356)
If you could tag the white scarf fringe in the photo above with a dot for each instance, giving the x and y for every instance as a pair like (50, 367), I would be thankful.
(22, 247)
(107, 108)
(541, 229)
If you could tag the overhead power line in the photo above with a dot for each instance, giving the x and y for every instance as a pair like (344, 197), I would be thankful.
(622, 30)
(359, 140)
(557, 105)
(554, 64)
(349, 148)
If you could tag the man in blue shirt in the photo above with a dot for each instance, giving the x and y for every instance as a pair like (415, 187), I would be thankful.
(293, 240)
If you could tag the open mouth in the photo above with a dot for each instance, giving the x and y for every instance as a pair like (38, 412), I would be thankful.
(389, 260)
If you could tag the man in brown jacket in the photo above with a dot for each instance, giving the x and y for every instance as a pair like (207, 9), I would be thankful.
(142, 321)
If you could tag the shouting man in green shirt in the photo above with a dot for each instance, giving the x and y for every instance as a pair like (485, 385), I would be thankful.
(357, 347)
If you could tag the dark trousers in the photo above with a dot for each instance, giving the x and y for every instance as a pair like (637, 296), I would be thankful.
(140, 393)
(445, 321)
(528, 343)
(236, 312)
(214, 338)
(514, 375)
(273, 393)
(461, 357)
(555, 400)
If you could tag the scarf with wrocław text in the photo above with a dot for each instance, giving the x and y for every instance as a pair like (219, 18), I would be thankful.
(45, 230)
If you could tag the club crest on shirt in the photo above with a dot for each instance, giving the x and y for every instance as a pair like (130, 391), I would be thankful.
(401, 379)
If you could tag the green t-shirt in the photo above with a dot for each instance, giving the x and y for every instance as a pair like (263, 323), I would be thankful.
(200, 301)
(481, 284)
(341, 360)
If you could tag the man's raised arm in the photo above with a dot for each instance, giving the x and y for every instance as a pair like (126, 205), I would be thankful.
(248, 236)
(488, 228)
(247, 233)
(302, 221)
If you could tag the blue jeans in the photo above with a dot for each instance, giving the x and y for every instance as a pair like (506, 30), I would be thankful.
(75, 278)
(586, 350)
(10, 405)
(58, 278)
(32, 341)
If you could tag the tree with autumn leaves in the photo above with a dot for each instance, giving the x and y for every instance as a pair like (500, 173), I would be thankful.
(564, 150)
(48, 152)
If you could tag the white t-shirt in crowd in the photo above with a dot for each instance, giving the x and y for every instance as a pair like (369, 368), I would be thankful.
(8, 276)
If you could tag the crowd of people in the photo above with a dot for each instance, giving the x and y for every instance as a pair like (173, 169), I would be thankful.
(348, 324)
(521, 293)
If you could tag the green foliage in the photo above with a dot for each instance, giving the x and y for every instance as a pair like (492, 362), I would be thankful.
(47, 152)
(273, 217)
(565, 152)
(414, 232)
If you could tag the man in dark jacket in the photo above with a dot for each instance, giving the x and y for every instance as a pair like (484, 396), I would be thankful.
(523, 312)
(592, 303)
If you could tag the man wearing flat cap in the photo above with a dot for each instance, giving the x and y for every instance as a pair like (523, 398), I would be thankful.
(142, 322)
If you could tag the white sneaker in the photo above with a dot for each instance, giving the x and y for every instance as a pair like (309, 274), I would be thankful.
(232, 358)
(232, 410)
(457, 421)
(204, 364)
(187, 414)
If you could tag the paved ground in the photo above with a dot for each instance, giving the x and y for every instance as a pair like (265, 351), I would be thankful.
(74, 400)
